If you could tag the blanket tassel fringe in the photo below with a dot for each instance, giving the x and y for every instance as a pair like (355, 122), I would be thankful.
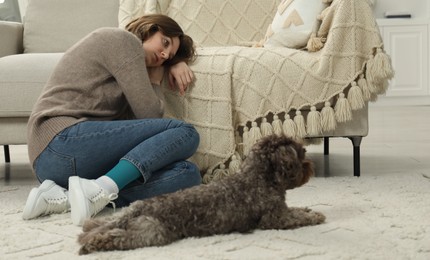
(315, 43)
(378, 71)
(314, 122)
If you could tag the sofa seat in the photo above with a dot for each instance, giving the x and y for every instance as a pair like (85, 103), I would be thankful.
(22, 78)
(30, 50)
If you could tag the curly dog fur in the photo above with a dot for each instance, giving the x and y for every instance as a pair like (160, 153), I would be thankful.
(252, 198)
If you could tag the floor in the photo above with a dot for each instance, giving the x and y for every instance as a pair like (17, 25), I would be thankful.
(398, 141)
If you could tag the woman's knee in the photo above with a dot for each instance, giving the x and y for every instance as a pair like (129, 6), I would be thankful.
(191, 134)
(194, 135)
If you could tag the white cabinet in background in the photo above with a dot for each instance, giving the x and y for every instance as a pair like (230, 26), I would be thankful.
(408, 47)
(406, 41)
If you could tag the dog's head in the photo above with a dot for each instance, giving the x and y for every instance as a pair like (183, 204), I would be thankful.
(282, 160)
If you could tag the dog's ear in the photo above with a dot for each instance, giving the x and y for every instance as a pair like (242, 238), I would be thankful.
(308, 170)
(290, 166)
(286, 166)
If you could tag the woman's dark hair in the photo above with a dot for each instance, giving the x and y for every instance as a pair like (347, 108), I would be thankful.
(147, 25)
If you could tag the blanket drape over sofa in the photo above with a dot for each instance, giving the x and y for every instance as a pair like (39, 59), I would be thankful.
(242, 93)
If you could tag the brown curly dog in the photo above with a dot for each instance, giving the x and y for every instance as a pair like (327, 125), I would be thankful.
(252, 198)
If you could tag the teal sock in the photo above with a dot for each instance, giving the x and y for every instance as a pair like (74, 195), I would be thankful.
(123, 173)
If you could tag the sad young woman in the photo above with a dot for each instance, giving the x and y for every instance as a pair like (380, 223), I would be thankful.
(96, 134)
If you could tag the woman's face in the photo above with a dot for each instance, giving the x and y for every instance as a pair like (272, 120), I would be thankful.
(159, 48)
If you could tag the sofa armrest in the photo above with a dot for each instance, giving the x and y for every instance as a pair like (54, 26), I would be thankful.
(11, 38)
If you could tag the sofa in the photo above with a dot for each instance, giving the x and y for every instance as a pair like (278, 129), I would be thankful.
(30, 50)
(243, 89)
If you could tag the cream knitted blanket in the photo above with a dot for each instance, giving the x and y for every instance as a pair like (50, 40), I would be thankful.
(242, 93)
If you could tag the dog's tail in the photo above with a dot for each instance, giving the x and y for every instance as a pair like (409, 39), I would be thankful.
(142, 231)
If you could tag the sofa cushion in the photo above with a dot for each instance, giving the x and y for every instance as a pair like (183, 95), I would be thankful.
(293, 23)
(22, 78)
(12, 44)
(55, 25)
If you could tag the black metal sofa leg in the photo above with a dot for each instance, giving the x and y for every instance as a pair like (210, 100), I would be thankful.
(356, 141)
(326, 145)
(6, 153)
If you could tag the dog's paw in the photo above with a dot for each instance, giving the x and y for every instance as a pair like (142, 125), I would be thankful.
(306, 216)
(314, 217)
(86, 249)
(93, 227)
(89, 242)
(318, 217)
(92, 224)
(103, 241)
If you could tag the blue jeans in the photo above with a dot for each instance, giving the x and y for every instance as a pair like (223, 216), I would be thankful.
(157, 147)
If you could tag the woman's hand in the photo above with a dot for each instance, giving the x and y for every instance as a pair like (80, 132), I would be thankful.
(156, 74)
(180, 76)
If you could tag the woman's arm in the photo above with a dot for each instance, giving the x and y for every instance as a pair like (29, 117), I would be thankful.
(125, 59)
(156, 74)
(180, 76)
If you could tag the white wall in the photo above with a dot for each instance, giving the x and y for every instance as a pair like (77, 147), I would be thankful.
(22, 7)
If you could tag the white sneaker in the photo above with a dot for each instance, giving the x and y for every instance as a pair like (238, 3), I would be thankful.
(87, 199)
(47, 199)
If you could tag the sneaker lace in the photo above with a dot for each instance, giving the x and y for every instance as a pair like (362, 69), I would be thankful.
(56, 205)
(101, 199)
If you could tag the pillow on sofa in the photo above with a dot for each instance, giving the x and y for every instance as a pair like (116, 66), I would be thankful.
(294, 22)
(55, 25)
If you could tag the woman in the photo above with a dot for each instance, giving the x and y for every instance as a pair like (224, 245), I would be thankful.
(96, 134)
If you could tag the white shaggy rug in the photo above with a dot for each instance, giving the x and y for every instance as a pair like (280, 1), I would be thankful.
(384, 217)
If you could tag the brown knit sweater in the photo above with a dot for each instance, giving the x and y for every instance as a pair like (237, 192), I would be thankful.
(102, 77)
